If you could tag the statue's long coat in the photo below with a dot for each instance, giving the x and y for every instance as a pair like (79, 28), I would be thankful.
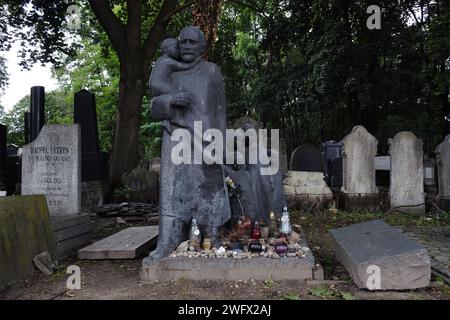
(194, 190)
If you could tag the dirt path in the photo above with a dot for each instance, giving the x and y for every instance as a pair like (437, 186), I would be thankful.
(119, 279)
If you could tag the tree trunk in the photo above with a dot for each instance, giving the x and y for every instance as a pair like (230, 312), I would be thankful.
(125, 153)
(206, 15)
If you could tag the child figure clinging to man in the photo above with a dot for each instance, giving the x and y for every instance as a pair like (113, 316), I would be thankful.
(160, 83)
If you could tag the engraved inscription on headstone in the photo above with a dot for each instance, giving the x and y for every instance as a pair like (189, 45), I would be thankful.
(51, 166)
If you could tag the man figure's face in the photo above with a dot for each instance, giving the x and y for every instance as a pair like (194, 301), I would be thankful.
(191, 44)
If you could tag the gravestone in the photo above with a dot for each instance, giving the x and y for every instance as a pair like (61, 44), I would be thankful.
(374, 248)
(284, 166)
(307, 188)
(25, 232)
(141, 180)
(331, 150)
(306, 158)
(239, 123)
(94, 186)
(37, 98)
(2, 155)
(85, 114)
(335, 174)
(406, 190)
(443, 164)
(358, 162)
(51, 166)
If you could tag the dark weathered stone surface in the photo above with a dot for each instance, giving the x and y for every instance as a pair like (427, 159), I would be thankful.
(93, 194)
(141, 180)
(25, 232)
(332, 150)
(85, 114)
(37, 103)
(2, 155)
(306, 158)
(71, 232)
(437, 241)
(261, 194)
(127, 209)
(189, 190)
(403, 262)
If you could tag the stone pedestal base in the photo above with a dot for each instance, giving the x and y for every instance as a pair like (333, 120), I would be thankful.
(230, 269)
(227, 269)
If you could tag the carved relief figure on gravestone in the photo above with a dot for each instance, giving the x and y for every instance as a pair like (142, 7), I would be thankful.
(190, 190)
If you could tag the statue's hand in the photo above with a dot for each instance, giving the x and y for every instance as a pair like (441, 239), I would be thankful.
(181, 99)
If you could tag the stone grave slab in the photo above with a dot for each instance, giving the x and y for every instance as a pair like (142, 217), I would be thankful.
(71, 232)
(403, 262)
(25, 231)
(126, 244)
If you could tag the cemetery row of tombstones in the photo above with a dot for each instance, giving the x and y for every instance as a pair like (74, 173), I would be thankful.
(350, 172)
(60, 170)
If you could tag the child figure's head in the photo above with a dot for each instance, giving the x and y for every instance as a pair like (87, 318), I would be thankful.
(170, 47)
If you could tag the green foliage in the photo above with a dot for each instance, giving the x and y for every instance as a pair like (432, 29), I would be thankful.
(269, 283)
(348, 296)
(291, 296)
(322, 292)
(313, 69)
(57, 111)
(3, 75)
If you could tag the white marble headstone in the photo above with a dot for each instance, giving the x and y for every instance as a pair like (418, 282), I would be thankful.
(51, 165)
(407, 188)
(358, 162)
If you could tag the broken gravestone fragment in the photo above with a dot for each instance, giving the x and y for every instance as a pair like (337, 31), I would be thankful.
(380, 257)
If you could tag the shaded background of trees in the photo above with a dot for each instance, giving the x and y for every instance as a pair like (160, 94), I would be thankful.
(311, 68)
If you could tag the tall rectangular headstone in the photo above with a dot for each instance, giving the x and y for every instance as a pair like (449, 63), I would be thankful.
(3, 133)
(443, 163)
(358, 159)
(85, 114)
(407, 190)
(51, 165)
(37, 111)
(2, 156)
